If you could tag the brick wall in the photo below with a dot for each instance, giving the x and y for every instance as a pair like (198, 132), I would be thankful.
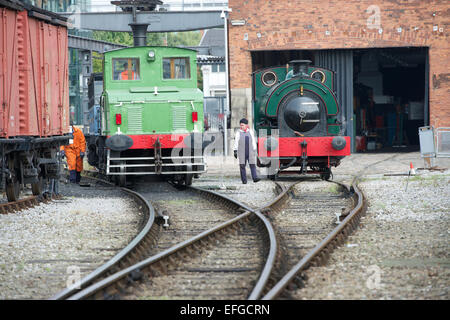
(333, 24)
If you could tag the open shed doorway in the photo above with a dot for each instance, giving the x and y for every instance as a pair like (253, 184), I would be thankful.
(390, 98)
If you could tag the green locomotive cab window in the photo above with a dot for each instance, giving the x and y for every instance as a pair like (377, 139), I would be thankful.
(126, 69)
(176, 68)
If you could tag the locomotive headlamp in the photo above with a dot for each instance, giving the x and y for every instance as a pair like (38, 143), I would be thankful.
(318, 75)
(269, 78)
(151, 55)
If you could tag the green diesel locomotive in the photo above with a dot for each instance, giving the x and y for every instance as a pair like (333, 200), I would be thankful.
(150, 115)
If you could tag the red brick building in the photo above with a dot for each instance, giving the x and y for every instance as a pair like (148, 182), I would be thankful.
(397, 50)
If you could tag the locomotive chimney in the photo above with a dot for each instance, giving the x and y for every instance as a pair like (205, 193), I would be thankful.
(300, 67)
(139, 34)
(133, 6)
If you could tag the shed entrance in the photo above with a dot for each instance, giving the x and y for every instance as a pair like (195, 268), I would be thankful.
(390, 98)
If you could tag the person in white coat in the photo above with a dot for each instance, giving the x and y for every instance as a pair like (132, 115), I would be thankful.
(245, 150)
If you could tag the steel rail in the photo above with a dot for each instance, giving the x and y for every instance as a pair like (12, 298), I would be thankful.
(271, 256)
(265, 274)
(18, 205)
(153, 259)
(83, 283)
(25, 203)
(270, 261)
(343, 227)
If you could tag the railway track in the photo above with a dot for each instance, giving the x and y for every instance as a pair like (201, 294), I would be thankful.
(167, 253)
(304, 214)
(180, 265)
(188, 212)
(120, 285)
(134, 251)
(28, 202)
(313, 244)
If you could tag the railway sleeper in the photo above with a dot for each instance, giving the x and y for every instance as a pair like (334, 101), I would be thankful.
(182, 255)
(140, 249)
(234, 229)
(299, 282)
(173, 262)
(110, 293)
(153, 272)
(135, 256)
(162, 266)
(291, 286)
(323, 258)
(120, 287)
(205, 244)
(189, 250)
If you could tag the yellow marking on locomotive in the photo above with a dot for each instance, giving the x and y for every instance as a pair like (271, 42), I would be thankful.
(301, 90)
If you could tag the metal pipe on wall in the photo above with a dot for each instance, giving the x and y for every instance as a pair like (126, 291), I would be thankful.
(224, 16)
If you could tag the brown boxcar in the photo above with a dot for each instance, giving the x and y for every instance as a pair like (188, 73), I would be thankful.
(34, 86)
(34, 95)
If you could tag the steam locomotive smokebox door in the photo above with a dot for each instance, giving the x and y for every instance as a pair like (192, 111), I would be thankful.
(301, 113)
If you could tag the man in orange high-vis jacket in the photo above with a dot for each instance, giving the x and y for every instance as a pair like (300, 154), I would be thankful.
(125, 74)
(75, 154)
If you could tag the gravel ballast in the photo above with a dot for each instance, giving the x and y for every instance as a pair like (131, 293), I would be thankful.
(399, 251)
(401, 248)
(52, 245)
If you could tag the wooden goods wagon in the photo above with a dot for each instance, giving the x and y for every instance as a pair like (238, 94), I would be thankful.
(34, 95)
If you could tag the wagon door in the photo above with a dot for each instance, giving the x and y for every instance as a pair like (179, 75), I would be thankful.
(8, 73)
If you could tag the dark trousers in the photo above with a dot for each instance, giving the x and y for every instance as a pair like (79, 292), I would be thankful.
(244, 171)
(74, 176)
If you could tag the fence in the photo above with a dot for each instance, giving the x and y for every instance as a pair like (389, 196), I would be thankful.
(216, 118)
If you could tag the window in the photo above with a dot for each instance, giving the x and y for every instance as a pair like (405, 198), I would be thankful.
(126, 69)
(218, 67)
(176, 68)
